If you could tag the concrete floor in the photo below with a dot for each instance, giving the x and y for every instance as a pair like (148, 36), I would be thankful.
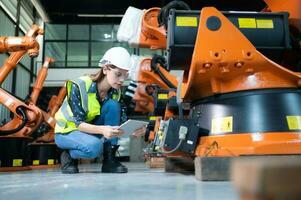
(140, 183)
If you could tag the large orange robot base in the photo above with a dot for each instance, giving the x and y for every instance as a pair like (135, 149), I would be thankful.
(231, 64)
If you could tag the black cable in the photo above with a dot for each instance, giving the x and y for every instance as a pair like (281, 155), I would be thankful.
(165, 80)
(128, 96)
(161, 60)
(21, 112)
(164, 12)
(157, 59)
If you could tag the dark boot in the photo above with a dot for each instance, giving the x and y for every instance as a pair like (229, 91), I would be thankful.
(110, 164)
(68, 164)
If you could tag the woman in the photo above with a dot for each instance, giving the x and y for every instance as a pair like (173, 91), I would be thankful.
(87, 122)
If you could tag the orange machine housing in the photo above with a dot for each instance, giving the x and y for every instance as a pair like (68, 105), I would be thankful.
(222, 65)
(152, 36)
(146, 76)
(292, 6)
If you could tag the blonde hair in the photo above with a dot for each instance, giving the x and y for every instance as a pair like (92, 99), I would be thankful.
(98, 76)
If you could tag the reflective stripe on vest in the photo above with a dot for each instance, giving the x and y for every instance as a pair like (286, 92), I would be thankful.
(61, 124)
(68, 115)
(64, 116)
(83, 91)
(82, 83)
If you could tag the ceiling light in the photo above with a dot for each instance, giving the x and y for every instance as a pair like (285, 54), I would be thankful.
(99, 15)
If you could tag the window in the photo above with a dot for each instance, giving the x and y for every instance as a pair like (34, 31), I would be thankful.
(102, 32)
(80, 45)
(11, 8)
(78, 32)
(78, 53)
(55, 32)
(7, 26)
(56, 50)
(26, 19)
(98, 50)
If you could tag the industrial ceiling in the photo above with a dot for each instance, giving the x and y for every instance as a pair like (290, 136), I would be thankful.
(90, 11)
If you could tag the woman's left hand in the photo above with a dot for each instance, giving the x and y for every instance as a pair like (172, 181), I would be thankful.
(139, 132)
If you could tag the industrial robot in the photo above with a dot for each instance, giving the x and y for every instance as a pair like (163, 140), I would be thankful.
(241, 101)
(27, 116)
(238, 84)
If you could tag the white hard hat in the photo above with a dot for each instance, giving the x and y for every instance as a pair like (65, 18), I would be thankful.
(117, 56)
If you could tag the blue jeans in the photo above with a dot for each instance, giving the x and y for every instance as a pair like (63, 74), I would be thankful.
(84, 145)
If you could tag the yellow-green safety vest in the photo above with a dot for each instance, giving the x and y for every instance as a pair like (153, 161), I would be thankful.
(65, 121)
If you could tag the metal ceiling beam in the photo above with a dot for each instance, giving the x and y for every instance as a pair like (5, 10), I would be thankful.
(40, 9)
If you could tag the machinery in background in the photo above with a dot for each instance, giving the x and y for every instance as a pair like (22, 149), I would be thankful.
(293, 57)
(152, 80)
(46, 135)
(43, 151)
(147, 28)
(29, 46)
(155, 93)
(146, 96)
(155, 90)
(16, 131)
(241, 102)
(27, 117)
(238, 97)
(12, 44)
(141, 28)
(24, 127)
(152, 36)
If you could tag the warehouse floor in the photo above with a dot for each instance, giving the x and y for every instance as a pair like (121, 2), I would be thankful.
(140, 183)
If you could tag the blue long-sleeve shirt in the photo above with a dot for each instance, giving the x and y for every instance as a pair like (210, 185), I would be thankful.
(78, 112)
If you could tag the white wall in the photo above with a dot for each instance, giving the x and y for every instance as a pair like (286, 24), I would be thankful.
(57, 77)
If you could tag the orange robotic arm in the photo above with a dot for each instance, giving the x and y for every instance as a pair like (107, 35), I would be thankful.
(152, 35)
(140, 28)
(148, 76)
(56, 101)
(40, 80)
(152, 29)
(38, 87)
(14, 58)
(27, 115)
(53, 106)
(12, 44)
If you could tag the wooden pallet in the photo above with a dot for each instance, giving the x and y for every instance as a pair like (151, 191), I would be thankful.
(270, 177)
(155, 162)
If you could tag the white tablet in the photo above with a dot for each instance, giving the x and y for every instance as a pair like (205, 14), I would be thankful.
(130, 126)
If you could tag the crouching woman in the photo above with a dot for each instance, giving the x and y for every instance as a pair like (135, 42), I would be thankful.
(87, 122)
